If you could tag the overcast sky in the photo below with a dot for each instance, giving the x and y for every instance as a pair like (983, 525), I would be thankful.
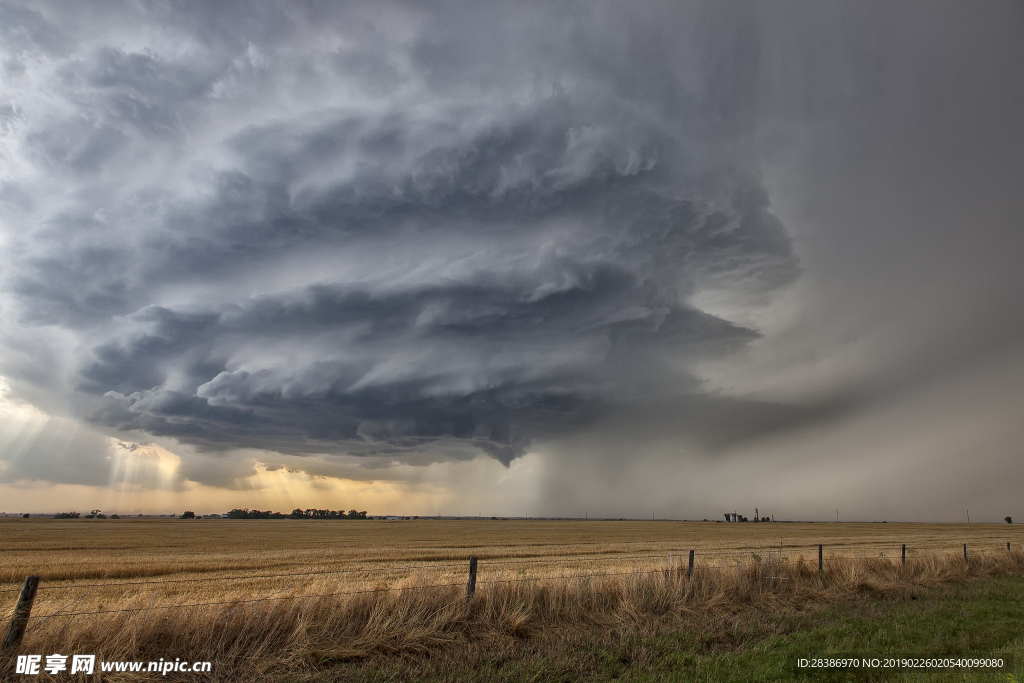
(612, 258)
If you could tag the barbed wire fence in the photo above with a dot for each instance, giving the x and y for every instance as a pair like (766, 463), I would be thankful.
(711, 559)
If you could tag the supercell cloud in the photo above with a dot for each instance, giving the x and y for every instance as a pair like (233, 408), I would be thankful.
(426, 231)
(371, 230)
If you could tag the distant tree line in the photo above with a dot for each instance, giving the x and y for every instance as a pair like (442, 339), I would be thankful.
(242, 513)
(297, 513)
(94, 514)
(246, 513)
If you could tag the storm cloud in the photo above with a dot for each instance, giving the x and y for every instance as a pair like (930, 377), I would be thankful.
(433, 249)
(418, 231)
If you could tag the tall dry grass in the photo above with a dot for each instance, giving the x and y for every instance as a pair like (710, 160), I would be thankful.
(300, 635)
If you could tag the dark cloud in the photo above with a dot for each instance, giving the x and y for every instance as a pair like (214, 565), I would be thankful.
(438, 230)
(422, 259)
(493, 360)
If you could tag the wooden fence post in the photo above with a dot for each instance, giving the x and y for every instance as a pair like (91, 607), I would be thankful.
(1007, 546)
(904, 553)
(689, 571)
(965, 552)
(21, 613)
(471, 586)
(821, 561)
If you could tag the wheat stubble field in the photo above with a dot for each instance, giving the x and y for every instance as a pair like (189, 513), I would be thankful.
(269, 597)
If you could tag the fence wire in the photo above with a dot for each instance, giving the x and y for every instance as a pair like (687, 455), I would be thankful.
(736, 554)
(732, 555)
(391, 589)
(511, 561)
(729, 555)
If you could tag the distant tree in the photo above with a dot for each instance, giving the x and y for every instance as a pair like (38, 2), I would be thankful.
(188, 514)
(297, 513)
(25, 516)
(115, 516)
(1009, 520)
(67, 515)
(246, 513)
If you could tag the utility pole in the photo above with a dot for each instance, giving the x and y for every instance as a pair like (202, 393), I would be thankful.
(837, 516)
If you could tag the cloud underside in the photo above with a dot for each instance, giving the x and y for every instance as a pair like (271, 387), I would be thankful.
(368, 235)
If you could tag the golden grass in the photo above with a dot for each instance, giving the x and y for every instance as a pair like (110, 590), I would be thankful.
(534, 577)
(75, 550)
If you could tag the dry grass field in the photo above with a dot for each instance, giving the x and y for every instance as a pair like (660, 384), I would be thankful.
(265, 596)
(74, 550)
